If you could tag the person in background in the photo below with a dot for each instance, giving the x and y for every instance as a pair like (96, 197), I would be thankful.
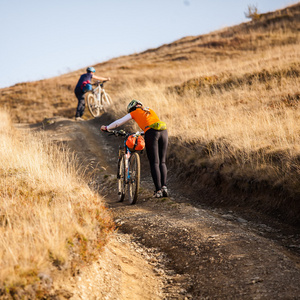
(156, 140)
(84, 85)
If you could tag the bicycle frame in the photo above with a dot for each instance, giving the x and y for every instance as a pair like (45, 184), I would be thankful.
(125, 150)
(98, 90)
(98, 100)
(128, 169)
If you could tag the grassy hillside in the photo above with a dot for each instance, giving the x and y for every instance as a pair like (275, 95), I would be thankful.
(49, 220)
(230, 99)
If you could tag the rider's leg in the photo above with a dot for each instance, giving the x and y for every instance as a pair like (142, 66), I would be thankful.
(151, 141)
(163, 145)
(81, 103)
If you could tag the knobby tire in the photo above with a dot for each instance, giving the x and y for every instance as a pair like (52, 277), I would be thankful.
(121, 178)
(93, 106)
(134, 182)
(105, 101)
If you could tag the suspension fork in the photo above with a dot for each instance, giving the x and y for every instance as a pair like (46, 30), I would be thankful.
(127, 174)
(126, 154)
(98, 93)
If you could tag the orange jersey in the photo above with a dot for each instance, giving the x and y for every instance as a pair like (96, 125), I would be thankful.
(144, 118)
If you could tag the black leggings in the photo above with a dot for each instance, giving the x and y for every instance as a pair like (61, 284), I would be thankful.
(156, 146)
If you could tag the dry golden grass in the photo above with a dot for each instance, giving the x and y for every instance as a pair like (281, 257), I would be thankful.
(47, 216)
(244, 112)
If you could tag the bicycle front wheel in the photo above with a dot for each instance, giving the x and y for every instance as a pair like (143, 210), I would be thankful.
(121, 179)
(134, 181)
(93, 104)
(106, 101)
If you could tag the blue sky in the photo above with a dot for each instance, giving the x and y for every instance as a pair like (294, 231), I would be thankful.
(46, 38)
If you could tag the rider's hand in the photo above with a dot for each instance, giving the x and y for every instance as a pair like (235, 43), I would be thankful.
(103, 128)
(108, 78)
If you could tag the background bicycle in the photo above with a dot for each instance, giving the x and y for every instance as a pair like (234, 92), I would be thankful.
(98, 100)
(129, 167)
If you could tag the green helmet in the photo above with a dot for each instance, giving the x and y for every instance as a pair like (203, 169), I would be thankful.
(132, 105)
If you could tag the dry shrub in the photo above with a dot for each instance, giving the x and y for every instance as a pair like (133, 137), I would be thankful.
(252, 12)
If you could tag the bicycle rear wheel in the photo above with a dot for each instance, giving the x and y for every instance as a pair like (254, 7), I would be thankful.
(93, 104)
(134, 181)
(106, 101)
(121, 178)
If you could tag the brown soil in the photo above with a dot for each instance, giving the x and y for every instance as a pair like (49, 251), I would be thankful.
(175, 248)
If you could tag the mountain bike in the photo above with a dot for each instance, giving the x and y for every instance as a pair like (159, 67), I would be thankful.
(129, 169)
(98, 100)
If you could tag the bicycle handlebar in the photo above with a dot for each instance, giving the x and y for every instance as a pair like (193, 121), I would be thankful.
(122, 133)
(99, 82)
(117, 132)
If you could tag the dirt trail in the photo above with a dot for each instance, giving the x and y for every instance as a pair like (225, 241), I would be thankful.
(172, 248)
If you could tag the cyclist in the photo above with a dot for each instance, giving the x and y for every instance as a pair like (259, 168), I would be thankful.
(156, 140)
(83, 86)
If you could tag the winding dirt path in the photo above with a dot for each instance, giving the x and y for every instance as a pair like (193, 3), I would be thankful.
(172, 248)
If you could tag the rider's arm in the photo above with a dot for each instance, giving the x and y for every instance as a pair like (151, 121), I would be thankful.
(119, 122)
(101, 78)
